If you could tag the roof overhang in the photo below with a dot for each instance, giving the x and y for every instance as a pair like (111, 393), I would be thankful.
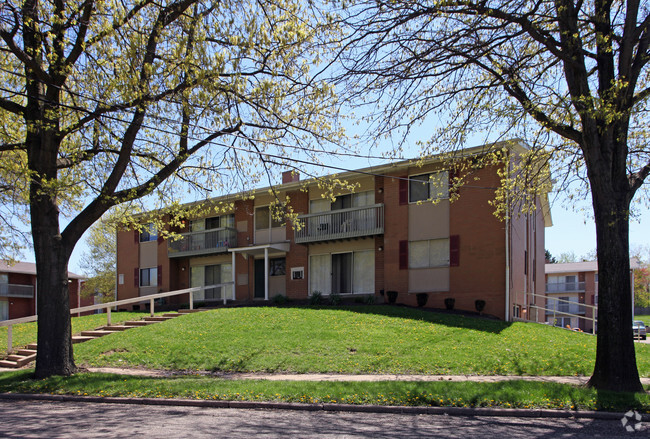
(259, 250)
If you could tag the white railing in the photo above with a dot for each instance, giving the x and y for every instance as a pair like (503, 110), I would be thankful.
(109, 305)
(203, 242)
(564, 287)
(557, 307)
(18, 291)
(340, 224)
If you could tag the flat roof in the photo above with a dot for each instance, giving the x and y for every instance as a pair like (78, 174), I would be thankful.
(28, 268)
(586, 266)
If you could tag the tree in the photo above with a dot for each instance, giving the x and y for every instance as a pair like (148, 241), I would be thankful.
(571, 78)
(107, 102)
(99, 262)
(550, 259)
(642, 287)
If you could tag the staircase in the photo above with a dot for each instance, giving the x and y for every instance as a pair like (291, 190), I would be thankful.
(26, 355)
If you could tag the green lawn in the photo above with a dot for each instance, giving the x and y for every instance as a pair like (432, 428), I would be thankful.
(508, 394)
(644, 319)
(369, 339)
(25, 333)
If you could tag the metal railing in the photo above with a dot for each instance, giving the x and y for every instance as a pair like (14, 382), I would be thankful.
(565, 287)
(340, 224)
(109, 305)
(18, 291)
(203, 242)
(556, 307)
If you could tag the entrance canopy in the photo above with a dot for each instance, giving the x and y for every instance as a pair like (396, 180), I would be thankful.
(257, 250)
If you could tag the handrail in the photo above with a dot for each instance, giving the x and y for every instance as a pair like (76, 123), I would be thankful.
(549, 299)
(108, 305)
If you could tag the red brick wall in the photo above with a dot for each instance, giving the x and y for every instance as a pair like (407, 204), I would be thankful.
(395, 230)
(244, 211)
(481, 272)
(128, 252)
(298, 255)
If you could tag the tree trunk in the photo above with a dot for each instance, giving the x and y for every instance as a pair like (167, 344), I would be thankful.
(615, 367)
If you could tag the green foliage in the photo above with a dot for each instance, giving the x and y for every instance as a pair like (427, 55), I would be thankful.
(316, 298)
(99, 262)
(279, 299)
(507, 394)
(335, 299)
(385, 339)
(479, 305)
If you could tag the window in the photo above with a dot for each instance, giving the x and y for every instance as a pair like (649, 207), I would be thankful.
(149, 277)
(4, 310)
(148, 233)
(205, 275)
(120, 279)
(277, 267)
(429, 253)
(425, 187)
(263, 217)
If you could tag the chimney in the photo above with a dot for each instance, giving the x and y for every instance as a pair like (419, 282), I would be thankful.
(290, 176)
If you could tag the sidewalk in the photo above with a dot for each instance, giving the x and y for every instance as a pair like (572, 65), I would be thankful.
(575, 380)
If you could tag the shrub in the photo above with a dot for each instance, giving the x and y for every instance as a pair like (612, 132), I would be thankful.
(316, 298)
(422, 299)
(392, 296)
(279, 299)
(449, 303)
(370, 299)
(335, 299)
(480, 305)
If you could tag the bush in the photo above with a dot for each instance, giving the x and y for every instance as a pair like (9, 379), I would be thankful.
(422, 299)
(392, 296)
(480, 305)
(335, 299)
(279, 299)
(370, 299)
(449, 303)
(316, 298)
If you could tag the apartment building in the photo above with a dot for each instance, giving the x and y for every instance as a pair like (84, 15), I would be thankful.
(18, 290)
(396, 230)
(572, 294)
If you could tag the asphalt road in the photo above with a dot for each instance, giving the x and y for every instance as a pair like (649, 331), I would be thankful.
(34, 419)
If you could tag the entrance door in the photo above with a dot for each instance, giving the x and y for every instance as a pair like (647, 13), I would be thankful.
(259, 278)
(342, 273)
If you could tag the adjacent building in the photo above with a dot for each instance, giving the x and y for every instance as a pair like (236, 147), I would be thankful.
(572, 294)
(396, 230)
(18, 290)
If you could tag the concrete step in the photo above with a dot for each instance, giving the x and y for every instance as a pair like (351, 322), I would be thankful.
(31, 346)
(139, 323)
(157, 319)
(96, 333)
(172, 314)
(19, 360)
(81, 338)
(115, 328)
(9, 364)
(188, 311)
(25, 352)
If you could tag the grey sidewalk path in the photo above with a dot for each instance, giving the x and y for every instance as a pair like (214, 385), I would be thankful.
(575, 380)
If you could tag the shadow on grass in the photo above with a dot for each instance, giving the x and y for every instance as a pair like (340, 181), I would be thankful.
(457, 320)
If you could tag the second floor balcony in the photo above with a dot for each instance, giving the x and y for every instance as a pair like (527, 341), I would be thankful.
(354, 222)
(203, 242)
(565, 287)
(19, 291)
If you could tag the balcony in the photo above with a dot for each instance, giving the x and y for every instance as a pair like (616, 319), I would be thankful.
(18, 291)
(565, 287)
(203, 243)
(564, 308)
(354, 222)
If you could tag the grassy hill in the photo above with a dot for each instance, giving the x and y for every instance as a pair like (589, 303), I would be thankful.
(368, 339)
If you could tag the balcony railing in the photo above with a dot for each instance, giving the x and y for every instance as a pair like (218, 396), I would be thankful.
(19, 291)
(564, 287)
(204, 242)
(554, 306)
(341, 224)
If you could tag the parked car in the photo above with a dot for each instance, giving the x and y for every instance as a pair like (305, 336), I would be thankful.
(638, 327)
